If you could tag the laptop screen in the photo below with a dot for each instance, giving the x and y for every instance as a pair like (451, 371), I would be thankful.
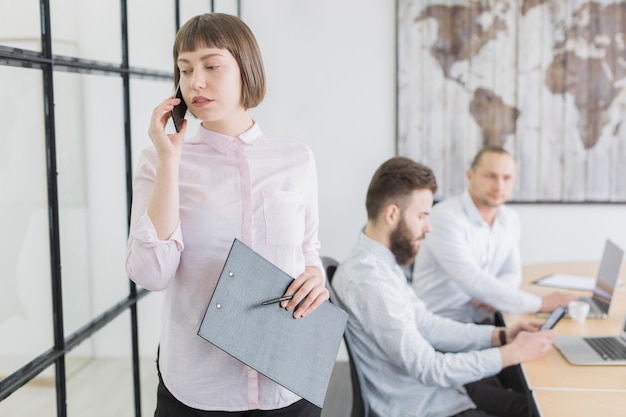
(609, 270)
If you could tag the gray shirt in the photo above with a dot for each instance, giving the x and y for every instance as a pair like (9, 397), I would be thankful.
(414, 363)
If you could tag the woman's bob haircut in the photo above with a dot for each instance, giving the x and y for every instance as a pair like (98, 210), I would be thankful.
(224, 31)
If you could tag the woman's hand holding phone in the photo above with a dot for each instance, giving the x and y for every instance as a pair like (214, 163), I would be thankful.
(179, 110)
(167, 145)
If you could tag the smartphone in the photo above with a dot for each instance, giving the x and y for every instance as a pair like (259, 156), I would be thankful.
(554, 318)
(179, 111)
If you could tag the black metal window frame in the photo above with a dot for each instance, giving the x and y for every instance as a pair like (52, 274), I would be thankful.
(48, 63)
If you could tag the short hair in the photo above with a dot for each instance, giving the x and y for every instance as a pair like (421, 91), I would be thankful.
(394, 181)
(488, 149)
(224, 31)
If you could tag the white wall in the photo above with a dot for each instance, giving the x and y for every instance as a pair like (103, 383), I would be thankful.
(569, 232)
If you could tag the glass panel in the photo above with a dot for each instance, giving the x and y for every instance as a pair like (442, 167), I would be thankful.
(86, 29)
(191, 8)
(151, 35)
(109, 376)
(149, 383)
(149, 331)
(20, 24)
(226, 6)
(25, 306)
(92, 194)
(106, 189)
(37, 398)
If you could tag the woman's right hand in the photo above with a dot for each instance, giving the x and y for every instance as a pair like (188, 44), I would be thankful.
(168, 145)
(163, 207)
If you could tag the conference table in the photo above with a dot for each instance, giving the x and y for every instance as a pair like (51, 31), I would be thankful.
(559, 388)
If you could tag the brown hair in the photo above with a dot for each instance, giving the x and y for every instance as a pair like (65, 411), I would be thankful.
(488, 149)
(224, 31)
(394, 181)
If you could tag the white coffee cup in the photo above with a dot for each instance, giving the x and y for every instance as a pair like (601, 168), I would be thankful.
(578, 310)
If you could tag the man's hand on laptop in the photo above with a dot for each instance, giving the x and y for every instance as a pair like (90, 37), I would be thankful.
(551, 301)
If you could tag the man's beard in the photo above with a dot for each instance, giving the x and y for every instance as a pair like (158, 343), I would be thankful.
(403, 244)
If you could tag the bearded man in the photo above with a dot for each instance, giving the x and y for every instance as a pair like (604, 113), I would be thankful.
(416, 363)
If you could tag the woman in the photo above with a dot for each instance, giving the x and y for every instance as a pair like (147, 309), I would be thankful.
(192, 198)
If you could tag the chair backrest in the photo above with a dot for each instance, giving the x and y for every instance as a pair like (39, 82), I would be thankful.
(360, 408)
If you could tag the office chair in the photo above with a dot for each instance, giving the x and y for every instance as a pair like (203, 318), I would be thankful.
(360, 408)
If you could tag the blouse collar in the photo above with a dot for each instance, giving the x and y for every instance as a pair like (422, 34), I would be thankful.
(224, 143)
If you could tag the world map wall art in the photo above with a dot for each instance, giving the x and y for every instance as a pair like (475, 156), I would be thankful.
(545, 79)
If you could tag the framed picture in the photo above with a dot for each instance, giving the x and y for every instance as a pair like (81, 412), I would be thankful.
(543, 79)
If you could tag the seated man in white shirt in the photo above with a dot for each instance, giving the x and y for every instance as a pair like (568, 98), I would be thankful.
(416, 363)
(469, 267)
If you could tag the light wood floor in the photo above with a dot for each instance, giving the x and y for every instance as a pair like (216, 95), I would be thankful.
(103, 388)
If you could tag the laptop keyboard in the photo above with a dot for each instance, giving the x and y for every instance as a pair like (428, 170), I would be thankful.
(607, 347)
(594, 309)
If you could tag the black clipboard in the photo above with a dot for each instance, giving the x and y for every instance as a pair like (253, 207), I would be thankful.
(298, 354)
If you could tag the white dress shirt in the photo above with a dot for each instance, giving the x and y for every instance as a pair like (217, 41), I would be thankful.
(408, 355)
(261, 191)
(463, 258)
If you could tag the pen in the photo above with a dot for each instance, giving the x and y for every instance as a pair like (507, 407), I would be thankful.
(277, 300)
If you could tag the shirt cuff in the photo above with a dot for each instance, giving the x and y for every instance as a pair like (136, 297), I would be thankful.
(145, 233)
(533, 302)
(486, 332)
(494, 360)
(314, 260)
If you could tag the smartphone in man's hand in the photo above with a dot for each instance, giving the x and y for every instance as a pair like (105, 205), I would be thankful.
(179, 111)
(554, 318)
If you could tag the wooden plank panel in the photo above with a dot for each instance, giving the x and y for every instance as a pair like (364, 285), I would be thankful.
(552, 128)
(456, 101)
(410, 79)
(555, 63)
(618, 191)
(435, 19)
(529, 80)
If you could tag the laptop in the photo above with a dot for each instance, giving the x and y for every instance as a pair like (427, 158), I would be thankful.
(593, 350)
(606, 281)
